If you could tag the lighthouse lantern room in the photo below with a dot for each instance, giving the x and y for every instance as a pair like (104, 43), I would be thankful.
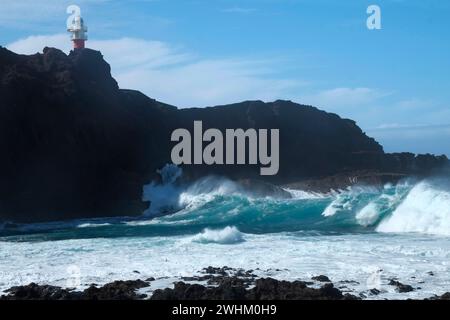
(78, 32)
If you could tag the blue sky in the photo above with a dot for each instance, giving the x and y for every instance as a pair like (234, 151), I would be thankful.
(395, 82)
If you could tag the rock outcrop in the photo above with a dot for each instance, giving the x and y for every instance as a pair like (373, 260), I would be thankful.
(75, 145)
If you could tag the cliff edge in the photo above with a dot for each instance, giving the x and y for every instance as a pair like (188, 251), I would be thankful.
(75, 145)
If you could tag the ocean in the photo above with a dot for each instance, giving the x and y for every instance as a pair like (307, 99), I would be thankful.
(360, 237)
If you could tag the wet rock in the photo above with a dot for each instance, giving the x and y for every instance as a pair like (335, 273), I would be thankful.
(118, 290)
(231, 288)
(401, 288)
(445, 296)
(374, 292)
(349, 282)
(37, 292)
(321, 278)
(183, 291)
(217, 270)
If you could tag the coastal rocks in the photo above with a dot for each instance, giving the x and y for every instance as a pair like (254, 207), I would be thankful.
(216, 276)
(212, 283)
(445, 296)
(221, 283)
(36, 292)
(321, 278)
(226, 283)
(400, 287)
(118, 290)
(183, 291)
(374, 292)
(264, 289)
(73, 144)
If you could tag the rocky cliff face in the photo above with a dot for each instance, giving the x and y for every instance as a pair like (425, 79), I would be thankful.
(75, 145)
(72, 143)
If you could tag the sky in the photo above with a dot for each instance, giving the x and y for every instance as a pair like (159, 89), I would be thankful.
(394, 81)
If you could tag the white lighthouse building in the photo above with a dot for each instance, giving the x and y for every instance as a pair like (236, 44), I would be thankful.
(78, 32)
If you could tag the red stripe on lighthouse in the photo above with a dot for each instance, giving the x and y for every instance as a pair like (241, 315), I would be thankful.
(79, 44)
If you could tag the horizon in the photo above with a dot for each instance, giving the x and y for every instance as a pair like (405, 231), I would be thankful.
(289, 50)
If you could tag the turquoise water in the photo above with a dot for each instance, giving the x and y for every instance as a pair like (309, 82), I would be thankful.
(216, 209)
(362, 233)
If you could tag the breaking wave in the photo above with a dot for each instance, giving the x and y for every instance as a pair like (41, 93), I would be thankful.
(228, 235)
(426, 209)
(217, 210)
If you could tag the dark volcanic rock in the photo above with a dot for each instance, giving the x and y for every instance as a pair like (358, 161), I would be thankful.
(321, 278)
(74, 145)
(36, 292)
(118, 290)
(445, 296)
(402, 288)
(264, 289)
(374, 292)
(183, 291)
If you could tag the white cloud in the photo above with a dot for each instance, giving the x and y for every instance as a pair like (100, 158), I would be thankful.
(175, 76)
(34, 44)
(345, 97)
(207, 82)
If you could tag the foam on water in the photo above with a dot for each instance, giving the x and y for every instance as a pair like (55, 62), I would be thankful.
(365, 234)
(93, 225)
(228, 235)
(426, 209)
(289, 256)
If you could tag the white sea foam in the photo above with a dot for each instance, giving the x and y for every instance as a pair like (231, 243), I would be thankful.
(368, 215)
(169, 197)
(384, 203)
(228, 235)
(426, 209)
(301, 194)
(282, 256)
(343, 200)
(164, 196)
(370, 259)
(93, 225)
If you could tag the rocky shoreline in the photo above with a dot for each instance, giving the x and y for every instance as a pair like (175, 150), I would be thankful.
(212, 284)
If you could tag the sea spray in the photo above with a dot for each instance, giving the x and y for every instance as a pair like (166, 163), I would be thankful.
(215, 203)
(164, 196)
(426, 209)
(227, 235)
(381, 206)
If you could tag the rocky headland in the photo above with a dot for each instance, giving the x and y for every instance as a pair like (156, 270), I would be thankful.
(75, 145)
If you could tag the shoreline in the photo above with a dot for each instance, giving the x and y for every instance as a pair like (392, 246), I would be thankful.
(212, 283)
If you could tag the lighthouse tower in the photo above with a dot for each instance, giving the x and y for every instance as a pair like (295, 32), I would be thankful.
(78, 32)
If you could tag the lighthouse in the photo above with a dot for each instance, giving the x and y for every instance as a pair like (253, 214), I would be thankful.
(78, 31)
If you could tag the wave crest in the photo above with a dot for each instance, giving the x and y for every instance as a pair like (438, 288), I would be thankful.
(426, 209)
(228, 235)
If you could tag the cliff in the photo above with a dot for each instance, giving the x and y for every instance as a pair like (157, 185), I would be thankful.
(75, 145)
